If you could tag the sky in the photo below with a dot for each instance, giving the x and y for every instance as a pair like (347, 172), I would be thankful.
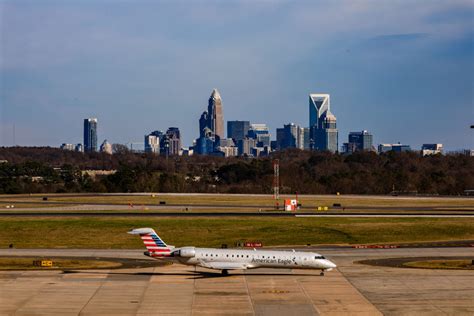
(403, 70)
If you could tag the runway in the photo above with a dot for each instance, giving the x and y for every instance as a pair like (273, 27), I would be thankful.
(249, 207)
(39, 213)
(181, 290)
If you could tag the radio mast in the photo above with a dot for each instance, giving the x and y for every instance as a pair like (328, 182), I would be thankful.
(276, 179)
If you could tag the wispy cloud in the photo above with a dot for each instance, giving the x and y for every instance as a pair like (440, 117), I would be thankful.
(398, 38)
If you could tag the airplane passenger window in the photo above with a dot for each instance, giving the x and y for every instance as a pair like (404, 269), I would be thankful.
(206, 254)
(227, 255)
(232, 256)
(247, 256)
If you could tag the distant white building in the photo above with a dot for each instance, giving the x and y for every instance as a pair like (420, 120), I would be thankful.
(79, 148)
(383, 148)
(431, 149)
(229, 151)
(106, 147)
(152, 144)
(67, 146)
(186, 151)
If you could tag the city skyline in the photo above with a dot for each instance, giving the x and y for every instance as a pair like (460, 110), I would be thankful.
(146, 71)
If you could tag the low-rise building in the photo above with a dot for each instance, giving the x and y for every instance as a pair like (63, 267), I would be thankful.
(431, 149)
(393, 147)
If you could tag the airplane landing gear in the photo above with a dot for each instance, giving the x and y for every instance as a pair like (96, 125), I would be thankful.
(322, 273)
(225, 272)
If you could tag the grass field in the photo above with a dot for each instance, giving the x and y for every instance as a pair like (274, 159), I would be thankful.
(263, 201)
(111, 232)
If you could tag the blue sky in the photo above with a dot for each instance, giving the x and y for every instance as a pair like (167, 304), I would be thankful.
(404, 70)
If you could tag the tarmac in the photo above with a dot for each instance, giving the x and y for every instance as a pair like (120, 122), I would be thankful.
(352, 288)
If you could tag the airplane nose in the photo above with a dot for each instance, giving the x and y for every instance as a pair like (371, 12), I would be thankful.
(330, 264)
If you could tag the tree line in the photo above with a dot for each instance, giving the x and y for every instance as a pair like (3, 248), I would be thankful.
(51, 170)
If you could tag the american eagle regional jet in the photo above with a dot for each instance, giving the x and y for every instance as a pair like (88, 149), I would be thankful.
(231, 259)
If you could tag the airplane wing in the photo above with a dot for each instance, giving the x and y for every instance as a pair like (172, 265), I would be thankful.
(224, 265)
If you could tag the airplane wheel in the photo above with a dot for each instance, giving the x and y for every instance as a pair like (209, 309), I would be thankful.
(225, 272)
(322, 273)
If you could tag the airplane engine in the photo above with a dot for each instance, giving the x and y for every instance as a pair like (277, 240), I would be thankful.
(187, 252)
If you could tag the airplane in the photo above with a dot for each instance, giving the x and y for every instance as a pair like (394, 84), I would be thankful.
(231, 259)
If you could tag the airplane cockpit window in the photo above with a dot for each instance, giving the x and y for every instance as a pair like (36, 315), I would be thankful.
(319, 257)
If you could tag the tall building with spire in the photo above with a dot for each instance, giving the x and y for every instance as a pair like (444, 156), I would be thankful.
(322, 124)
(213, 118)
(211, 124)
(216, 116)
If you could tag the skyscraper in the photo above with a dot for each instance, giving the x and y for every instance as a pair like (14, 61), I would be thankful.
(305, 132)
(173, 136)
(152, 144)
(260, 133)
(213, 117)
(90, 135)
(362, 140)
(245, 146)
(237, 130)
(216, 117)
(288, 136)
(322, 123)
(211, 125)
(358, 141)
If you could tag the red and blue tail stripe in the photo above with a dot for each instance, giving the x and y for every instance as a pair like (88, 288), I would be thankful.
(155, 245)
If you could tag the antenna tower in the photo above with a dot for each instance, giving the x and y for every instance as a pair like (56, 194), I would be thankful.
(276, 179)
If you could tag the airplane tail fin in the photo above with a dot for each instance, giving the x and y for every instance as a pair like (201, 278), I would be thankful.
(155, 246)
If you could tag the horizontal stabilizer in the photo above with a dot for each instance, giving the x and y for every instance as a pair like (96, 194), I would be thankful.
(141, 231)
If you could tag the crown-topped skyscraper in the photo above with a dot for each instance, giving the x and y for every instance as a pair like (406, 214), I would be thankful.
(322, 123)
(213, 118)
(216, 118)
(211, 126)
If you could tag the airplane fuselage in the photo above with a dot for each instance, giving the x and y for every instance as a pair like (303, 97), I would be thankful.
(231, 259)
(251, 259)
